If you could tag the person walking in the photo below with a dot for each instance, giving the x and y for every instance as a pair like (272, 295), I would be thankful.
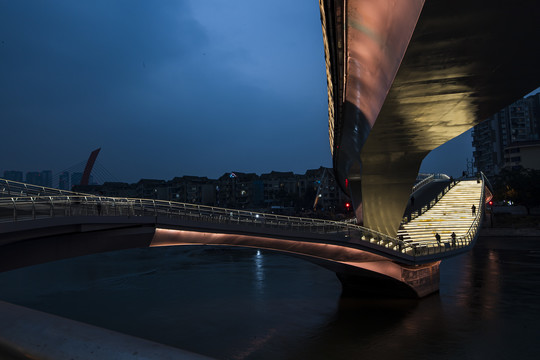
(453, 238)
(473, 208)
(438, 237)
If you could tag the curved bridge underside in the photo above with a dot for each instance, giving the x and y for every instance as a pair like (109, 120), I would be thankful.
(404, 77)
(360, 270)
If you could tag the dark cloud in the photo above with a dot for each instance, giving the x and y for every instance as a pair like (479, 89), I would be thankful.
(169, 88)
(162, 90)
(63, 50)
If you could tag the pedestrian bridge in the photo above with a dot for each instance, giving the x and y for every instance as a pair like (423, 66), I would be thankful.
(40, 224)
(403, 78)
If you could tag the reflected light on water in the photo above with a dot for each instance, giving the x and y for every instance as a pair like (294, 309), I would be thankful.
(259, 271)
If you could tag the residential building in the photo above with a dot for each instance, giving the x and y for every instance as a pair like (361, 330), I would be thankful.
(315, 193)
(280, 189)
(46, 178)
(148, 188)
(13, 175)
(63, 181)
(191, 189)
(239, 190)
(522, 155)
(501, 135)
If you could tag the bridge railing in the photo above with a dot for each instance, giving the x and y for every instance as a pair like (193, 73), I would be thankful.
(430, 178)
(425, 181)
(431, 203)
(10, 188)
(460, 242)
(21, 208)
(32, 207)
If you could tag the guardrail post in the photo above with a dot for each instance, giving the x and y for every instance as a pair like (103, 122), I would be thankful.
(14, 210)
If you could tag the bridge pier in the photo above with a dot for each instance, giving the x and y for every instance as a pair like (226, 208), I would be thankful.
(416, 282)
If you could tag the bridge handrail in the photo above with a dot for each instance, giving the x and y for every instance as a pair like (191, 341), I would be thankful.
(486, 181)
(413, 215)
(11, 188)
(430, 178)
(462, 241)
(20, 208)
(423, 182)
(65, 205)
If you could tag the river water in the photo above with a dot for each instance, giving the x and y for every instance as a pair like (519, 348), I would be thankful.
(250, 304)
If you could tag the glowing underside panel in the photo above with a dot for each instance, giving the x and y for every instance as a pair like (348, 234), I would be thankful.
(422, 279)
(465, 60)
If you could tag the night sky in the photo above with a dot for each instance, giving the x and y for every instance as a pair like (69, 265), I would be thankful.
(169, 88)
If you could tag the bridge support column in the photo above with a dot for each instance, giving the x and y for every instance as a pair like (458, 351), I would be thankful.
(355, 192)
(415, 282)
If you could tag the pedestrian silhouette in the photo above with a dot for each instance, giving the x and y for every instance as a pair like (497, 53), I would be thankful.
(438, 237)
(473, 208)
(453, 238)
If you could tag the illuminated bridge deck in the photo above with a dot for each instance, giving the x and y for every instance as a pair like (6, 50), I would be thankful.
(26, 213)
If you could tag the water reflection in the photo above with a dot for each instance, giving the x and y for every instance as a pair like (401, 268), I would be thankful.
(249, 304)
(258, 272)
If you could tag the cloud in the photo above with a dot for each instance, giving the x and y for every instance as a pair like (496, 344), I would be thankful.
(165, 88)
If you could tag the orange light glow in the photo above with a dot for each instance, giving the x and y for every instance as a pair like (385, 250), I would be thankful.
(330, 256)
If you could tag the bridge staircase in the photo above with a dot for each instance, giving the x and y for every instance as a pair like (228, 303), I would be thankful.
(451, 212)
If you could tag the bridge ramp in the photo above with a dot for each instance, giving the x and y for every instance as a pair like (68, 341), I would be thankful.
(452, 213)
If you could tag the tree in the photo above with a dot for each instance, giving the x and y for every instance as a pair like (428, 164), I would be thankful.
(521, 186)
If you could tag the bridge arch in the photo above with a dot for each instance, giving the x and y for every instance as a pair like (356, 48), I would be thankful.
(359, 271)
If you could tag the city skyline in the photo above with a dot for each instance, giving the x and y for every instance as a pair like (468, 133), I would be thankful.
(170, 89)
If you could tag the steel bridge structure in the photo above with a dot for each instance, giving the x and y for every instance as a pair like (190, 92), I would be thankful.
(403, 78)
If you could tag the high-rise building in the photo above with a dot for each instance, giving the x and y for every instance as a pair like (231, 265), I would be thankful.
(40, 178)
(76, 178)
(502, 133)
(34, 177)
(63, 181)
(13, 175)
(46, 178)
